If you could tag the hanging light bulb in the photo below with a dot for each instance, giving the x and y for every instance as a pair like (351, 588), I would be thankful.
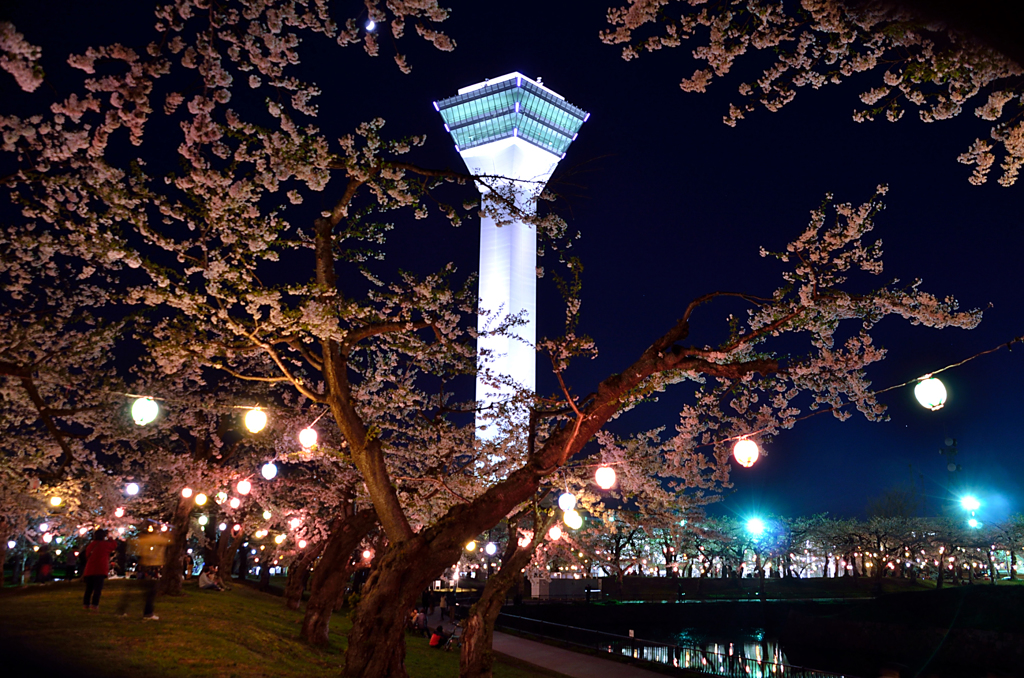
(490, 549)
(931, 393)
(555, 533)
(605, 477)
(200, 499)
(567, 501)
(745, 452)
(235, 502)
(222, 527)
(471, 546)
(186, 492)
(573, 519)
(144, 411)
(236, 527)
(367, 554)
(243, 487)
(255, 420)
(294, 522)
(307, 437)
(302, 543)
(44, 527)
(279, 539)
(269, 470)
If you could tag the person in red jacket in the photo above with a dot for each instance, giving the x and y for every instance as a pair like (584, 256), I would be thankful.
(97, 563)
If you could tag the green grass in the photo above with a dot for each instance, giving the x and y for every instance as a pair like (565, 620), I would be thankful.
(240, 632)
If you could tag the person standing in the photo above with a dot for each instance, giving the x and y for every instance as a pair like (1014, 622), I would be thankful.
(97, 563)
(151, 548)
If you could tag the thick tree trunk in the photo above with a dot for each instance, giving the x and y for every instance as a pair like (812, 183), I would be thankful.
(477, 656)
(298, 575)
(332, 574)
(173, 575)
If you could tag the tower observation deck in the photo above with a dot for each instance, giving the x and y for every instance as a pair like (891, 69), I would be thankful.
(511, 132)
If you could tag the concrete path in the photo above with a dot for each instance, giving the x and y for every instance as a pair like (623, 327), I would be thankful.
(567, 662)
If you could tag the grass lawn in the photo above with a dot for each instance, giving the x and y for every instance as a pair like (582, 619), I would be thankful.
(243, 633)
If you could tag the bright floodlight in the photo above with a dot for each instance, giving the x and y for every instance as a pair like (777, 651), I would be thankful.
(745, 452)
(144, 411)
(605, 477)
(490, 549)
(200, 499)
(55, 501)
(756, 527)
(973, 523)
(132, 489)
(269, 470)
(255, 420)
(243, 487)
(931, 393)
(567, 501)
(970, 503)
(573, 519)
(307, 437)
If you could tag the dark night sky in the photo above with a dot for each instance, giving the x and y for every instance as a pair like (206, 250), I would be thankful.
(673, 204)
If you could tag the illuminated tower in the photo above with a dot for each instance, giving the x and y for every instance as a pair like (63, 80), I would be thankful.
(513, 131)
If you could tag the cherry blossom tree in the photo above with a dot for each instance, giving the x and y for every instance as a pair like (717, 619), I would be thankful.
(922, 62)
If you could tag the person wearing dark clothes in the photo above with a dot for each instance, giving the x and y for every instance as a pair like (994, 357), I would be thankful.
(97, 562)
(438, 638)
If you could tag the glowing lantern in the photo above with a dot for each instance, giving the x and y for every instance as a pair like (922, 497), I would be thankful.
(119, 512)
(44, 527)
(200, 499)
(203, 520)
(82, 531)
(269, 470)
(490, 549)
(243, 487)
(235, 502)
(567, 501)
(186, 492)
(120, 530)
(221, 497)
(236, 527)
(267, 515)
(279, 539)
(573, 519)
(605, 477)
(11, 544)
(255, 420)
(47, 537)
(367, 554)
(745, 452)
(302, 543)
(931, 393)
(132, 489)
(144, 411)
(55, 501)
(555, 533)
(471, 546)
(222, 527)
(163, 528)
(307, 437)
(371, 25)
(295, 522)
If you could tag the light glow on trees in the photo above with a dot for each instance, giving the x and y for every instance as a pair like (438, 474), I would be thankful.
(186, 492)
(145, 411)
(307, 437)
(200, 499)
(567, 501)
(931, 393)
(255, 420)
(243, 487)
(269, 470)
(756, 527)
(605, 477)
(745, 452)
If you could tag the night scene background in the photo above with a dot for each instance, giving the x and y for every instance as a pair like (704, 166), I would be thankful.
(672, 204)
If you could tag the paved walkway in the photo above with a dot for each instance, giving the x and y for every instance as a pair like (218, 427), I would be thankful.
(566, 662)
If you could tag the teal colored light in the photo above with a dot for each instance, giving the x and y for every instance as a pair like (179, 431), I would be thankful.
(973, 523)
(511, 108)
(970, 503)
(756, 527)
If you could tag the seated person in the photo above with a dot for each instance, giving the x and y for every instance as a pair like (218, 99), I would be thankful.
(419, 624)
(208, 580)
(438, 638)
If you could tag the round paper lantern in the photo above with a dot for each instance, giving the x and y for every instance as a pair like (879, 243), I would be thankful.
(931, 393)
(200, 499)
(567, 501)
(255, 420)
(307, 437)
(267, 515)
(555, 533)
(269, 470)
(573, 519)
(144, 411)
(745, 451)
(490, 549)
(471, 546)
(186, 492)
(132, 489)
(222, 527)
(44, 527)
(605, 477)
(243, 487)
(203, 520)
(235, 502)
(367, 554)
(55, 501)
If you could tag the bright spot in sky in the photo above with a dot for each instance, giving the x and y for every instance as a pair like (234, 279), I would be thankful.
(755, 526)
(371, 25)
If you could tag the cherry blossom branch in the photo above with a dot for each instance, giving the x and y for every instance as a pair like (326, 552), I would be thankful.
(436, 481)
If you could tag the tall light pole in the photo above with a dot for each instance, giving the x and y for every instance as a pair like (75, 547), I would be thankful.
(511, 132)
